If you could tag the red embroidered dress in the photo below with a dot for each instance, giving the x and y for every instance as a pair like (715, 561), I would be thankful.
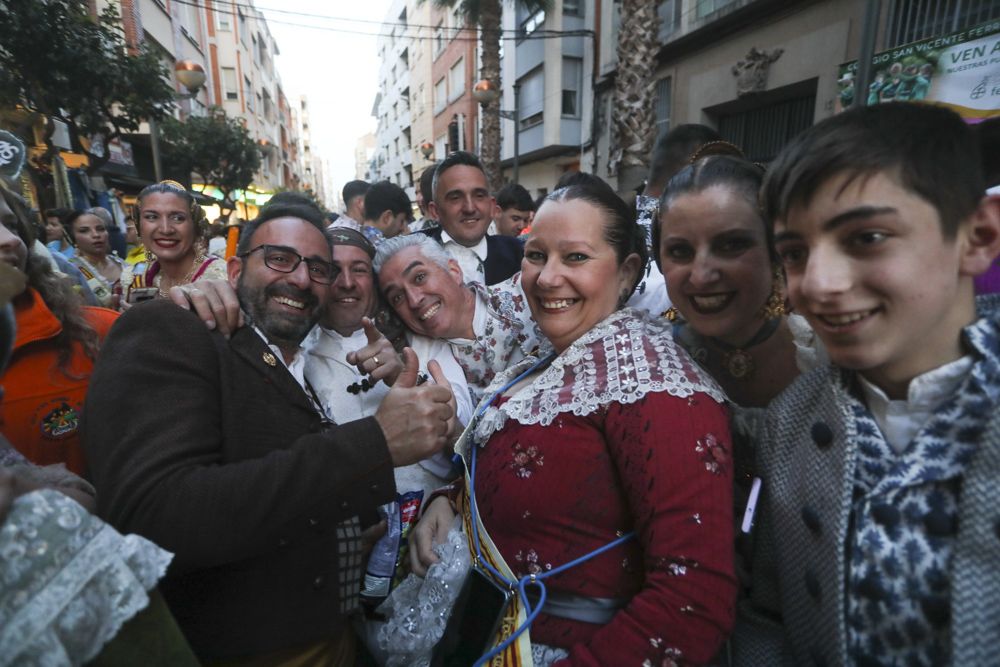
(622, 432)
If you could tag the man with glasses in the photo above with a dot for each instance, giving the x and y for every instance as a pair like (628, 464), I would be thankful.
(218, 450)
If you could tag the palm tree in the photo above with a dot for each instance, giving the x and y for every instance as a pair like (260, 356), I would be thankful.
(486, 14)
(633, 117)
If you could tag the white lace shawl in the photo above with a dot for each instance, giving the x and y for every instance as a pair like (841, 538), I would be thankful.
(68, 581)
(620, 360)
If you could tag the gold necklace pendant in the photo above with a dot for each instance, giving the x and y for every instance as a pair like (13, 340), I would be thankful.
(739, 364)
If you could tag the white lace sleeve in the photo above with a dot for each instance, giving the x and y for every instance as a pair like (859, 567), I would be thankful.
(418, 609)
(69, 581)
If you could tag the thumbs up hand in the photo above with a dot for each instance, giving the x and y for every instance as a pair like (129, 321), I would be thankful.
(377, 358)
(417, 422)
(411, 365)
(437, 374)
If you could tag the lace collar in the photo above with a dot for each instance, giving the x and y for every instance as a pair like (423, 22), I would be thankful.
(620, 360)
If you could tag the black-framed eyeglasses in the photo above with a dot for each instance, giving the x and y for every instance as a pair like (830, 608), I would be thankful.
(285, 260)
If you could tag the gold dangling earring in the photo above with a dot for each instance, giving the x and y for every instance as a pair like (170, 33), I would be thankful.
(672, 314)
(774, 307)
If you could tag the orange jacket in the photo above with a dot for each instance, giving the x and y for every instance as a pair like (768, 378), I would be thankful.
(42, 403)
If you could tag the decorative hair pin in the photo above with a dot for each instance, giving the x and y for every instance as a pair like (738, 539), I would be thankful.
(173, 184)
(717, 148)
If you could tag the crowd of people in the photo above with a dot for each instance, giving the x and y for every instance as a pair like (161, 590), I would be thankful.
(750, 419)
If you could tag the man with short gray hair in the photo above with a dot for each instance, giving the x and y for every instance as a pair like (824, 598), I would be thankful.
(487, 328)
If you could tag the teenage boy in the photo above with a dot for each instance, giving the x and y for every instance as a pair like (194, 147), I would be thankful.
(387, 209)
(513, 212)
(879, 518)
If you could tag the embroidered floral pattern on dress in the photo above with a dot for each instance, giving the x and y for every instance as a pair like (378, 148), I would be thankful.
(526, 459)
(713, 453)
(677, 569)
(510, 334)
(669, 656)
(677, 566)
(530, 562)
(620, 360)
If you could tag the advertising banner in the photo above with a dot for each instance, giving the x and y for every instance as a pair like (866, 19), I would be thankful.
(960, 71)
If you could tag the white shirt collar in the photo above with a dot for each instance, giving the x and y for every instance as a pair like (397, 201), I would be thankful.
(479, 249)
(900, 420)
(298, 365)
(331, 344)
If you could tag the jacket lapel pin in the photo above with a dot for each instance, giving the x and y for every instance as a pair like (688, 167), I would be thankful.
(270, 360)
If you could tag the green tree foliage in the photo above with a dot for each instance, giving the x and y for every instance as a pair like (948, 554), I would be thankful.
(57, 60)
(218, 150)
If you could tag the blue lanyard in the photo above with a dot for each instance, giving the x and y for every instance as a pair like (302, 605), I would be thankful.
(536, 580)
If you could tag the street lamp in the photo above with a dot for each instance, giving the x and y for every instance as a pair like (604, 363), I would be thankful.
(485, 92)
(191, 75)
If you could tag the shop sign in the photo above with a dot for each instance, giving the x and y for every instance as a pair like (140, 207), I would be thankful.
(12, 154)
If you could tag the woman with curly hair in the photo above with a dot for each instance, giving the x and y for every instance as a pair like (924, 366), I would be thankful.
(54, 352)
(174, 230)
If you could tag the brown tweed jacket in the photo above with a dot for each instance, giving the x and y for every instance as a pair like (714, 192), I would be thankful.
(212, 450)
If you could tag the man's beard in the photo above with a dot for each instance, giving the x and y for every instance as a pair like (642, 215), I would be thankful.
(280, 328)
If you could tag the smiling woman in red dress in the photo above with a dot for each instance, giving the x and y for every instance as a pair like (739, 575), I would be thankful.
(618, 431)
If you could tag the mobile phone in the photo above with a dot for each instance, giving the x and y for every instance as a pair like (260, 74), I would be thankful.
(140, 294)
(479, 610)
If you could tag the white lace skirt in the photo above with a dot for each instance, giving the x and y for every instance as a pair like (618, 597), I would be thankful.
(68, 582)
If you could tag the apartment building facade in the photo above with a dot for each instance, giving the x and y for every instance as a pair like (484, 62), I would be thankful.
(424, 106)
(393, 157)
(761, 71)
(231, 43)
(547, 59)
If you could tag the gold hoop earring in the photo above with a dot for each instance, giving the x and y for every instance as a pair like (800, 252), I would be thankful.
(774, 307)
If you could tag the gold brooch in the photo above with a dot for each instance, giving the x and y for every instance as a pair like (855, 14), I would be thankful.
(270, 360)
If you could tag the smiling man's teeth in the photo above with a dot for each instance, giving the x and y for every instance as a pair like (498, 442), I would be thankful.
(561, 303)
(290, 302)
(843, 320)
(430, 312)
